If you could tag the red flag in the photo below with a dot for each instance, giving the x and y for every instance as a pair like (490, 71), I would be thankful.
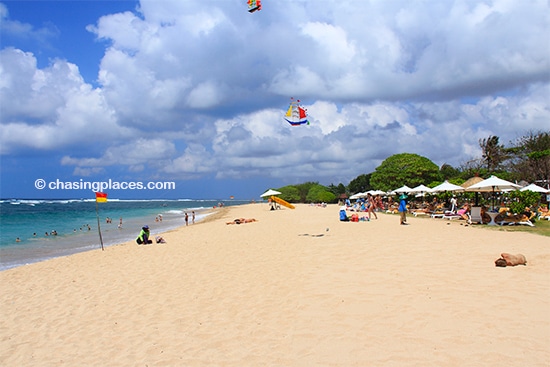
(100, 197)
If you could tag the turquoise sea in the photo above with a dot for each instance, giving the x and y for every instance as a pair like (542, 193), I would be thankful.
(76, 224)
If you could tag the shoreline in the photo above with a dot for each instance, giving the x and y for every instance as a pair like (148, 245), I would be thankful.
(295, 288)
(28, 253)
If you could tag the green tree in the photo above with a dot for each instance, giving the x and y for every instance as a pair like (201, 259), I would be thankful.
(318, 194)
(492, 152)
(289, 193)
(531, 157)
(404, 169)
(304, 188)
(360, 184)
(471, 168)
(337, 190)
(448, 172)
(523, 199)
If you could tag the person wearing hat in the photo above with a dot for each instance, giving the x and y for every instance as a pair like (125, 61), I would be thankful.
(403, 209)
(143, 238)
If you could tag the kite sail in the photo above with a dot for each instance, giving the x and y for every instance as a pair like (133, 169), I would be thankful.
(254, 5)
(296, 115)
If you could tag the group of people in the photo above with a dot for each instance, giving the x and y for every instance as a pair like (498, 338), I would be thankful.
(464, 212)
(187, 218)
(369, 205)
(144, 237)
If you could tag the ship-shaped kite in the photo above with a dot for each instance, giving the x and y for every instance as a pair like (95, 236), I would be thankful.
(296, 115)
(254, 5)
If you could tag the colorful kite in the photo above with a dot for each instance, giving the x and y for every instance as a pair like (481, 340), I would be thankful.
(254, 5)
(296, 115)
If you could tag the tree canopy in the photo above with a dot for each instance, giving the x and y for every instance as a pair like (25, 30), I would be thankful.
(404, 169)
(527, 159)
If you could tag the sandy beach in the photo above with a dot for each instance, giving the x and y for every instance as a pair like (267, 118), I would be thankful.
(296, 288)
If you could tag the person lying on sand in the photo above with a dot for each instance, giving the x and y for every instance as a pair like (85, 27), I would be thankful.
(242, 220)
(510, 260)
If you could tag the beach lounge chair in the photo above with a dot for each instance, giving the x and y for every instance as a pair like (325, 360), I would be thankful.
(513, 219)
(450, 215)
(418, 212)
(446, 215)
(475, 215)
(439, 213)
(513, 223)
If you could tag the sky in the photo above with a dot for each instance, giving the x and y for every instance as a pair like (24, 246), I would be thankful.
(195, 92)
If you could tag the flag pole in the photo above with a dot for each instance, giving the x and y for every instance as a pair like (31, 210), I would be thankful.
(98, 225)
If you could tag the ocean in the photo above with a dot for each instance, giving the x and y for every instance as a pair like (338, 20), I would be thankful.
(76, 224)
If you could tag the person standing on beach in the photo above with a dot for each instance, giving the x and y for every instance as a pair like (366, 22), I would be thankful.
(403, 209)
(453, 204)
(193, 217)
(186, 219)
(371, 205)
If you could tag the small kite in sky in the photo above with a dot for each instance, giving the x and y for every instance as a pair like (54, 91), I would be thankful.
(296, 115)
(254, 5)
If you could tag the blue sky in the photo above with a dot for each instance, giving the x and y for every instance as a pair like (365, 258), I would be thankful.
(142, 91)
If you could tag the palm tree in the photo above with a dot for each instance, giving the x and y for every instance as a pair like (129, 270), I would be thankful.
(493, 154)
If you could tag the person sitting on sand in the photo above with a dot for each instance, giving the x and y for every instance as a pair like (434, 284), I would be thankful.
(143, 237)
(242, 220)
(343, 214)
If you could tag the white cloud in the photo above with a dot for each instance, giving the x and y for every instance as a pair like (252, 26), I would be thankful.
(333, 41)
(26, 31)
(205, 90)
(134, 154)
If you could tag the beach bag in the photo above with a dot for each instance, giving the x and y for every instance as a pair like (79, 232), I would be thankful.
(139, 241)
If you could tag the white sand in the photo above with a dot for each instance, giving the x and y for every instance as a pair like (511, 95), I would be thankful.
(264, 294)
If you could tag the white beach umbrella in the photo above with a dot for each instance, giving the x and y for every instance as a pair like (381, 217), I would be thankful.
(403, 188)
(420, 189)
(356, 196)
(378, 192)
(270, 192)
(535, 188)
(493, 184)
(447, 186)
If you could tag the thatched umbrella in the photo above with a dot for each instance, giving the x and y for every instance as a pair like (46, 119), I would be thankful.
(472, 181)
